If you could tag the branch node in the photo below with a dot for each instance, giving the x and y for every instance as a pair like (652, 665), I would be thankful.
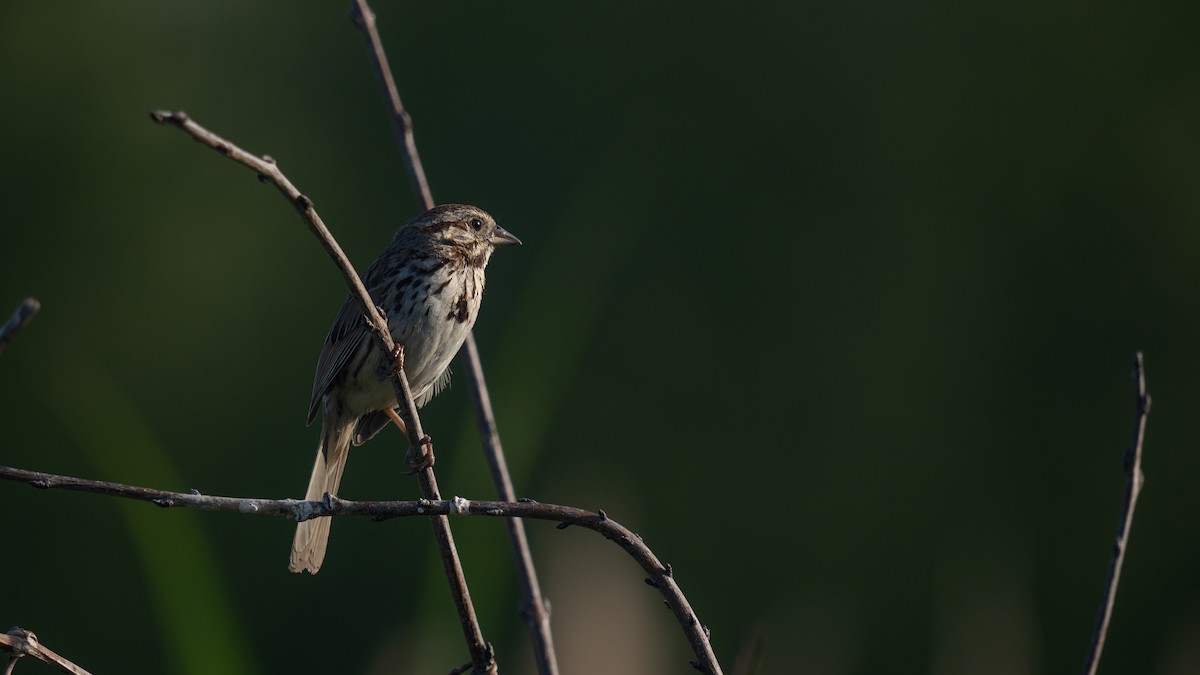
(667, 570)
(562, 526)
(331, 503)
(303, 203)
(29, 641)
(696, 664)
(168, 117)
(602, 514)
(164, 502)
(460, 506)
(20, 317)
(301, 510)
(650, 582)
(361, 15)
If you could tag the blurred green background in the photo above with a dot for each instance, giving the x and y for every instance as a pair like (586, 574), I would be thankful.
(834, 303)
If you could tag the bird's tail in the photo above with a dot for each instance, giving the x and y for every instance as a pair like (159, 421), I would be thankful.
(312, 536)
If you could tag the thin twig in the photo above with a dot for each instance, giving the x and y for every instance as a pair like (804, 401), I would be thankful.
(481, 652)
(534, 607)
(21, 316)
(1133, 487)
(659, 575)
(364, 18)
(19, 642)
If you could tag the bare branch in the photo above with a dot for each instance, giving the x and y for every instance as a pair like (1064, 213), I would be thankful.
(1133, 487)
(659, 575)
(19, 642)
(481, 652)
(364, 18)
(21, 316)
(534, 607)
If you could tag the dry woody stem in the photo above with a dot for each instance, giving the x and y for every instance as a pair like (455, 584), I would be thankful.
(481, 652)
(1133, 487)
(20, 317)
(19, 643)
(659, 575)
(534, 607)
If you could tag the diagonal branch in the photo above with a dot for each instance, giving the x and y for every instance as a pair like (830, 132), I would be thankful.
(1133, 487)
(659, 575)
(364, 18)
(20, 317)
(481, 652)
(19, 642)
(534, 607)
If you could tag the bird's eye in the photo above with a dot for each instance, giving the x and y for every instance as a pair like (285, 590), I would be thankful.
(476, 224)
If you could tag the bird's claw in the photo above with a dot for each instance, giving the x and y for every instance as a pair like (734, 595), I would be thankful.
(418, 460)
(397, 358)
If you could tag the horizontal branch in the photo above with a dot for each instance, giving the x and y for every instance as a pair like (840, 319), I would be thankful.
(299, 509)
(659, 575)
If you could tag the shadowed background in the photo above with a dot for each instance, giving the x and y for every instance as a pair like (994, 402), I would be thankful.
(834, 304)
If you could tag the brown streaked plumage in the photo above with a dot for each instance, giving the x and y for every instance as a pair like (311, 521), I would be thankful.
(429, 284)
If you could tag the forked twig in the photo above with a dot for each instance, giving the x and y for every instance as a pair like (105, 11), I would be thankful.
(21, 316)
(481, 652)
(19, 642)
(534, 607)
(1133, 487)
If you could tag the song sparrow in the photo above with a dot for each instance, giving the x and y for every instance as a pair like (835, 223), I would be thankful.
(429, 283)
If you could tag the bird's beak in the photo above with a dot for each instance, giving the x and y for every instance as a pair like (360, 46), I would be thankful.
(502, 237)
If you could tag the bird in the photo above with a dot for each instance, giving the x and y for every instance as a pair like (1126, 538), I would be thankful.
(428, 282)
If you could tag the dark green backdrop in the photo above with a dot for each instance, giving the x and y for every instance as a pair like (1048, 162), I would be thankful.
(834, 303)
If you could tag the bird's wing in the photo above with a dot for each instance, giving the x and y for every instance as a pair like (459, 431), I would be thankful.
(345, 336)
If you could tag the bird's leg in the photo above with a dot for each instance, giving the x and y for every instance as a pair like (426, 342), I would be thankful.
(415, 459)
(391, 412)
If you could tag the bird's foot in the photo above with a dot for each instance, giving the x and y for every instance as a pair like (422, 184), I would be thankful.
(420, 456)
